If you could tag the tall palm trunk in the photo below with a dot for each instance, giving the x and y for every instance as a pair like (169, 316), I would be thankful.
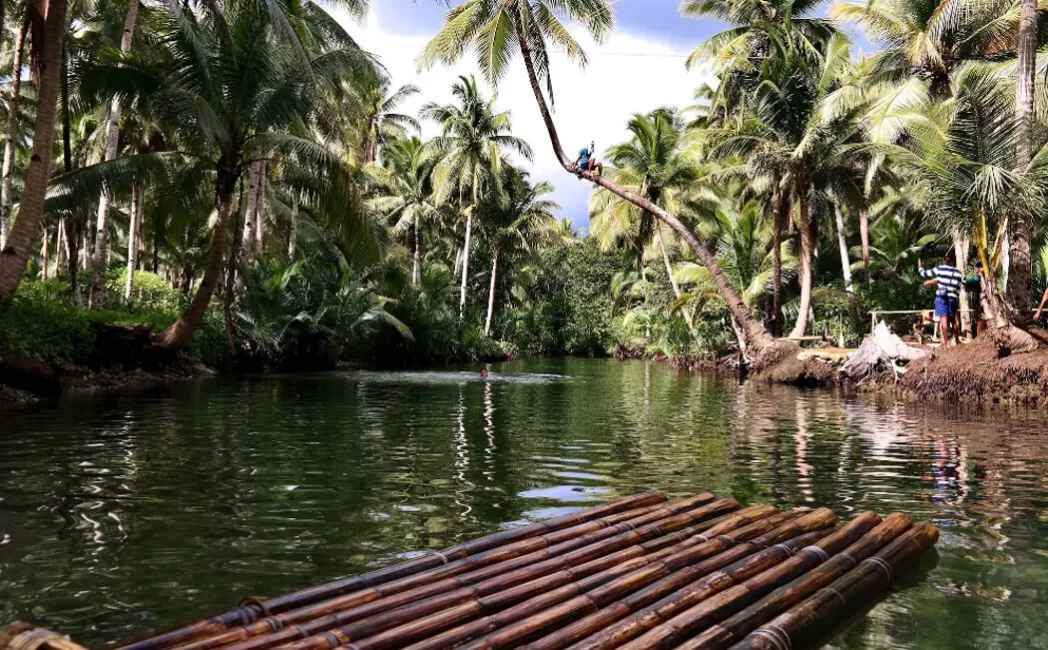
(260, 209)
(780, 209)
(181, 331)
(1020, 266)
(231, 271)
(416, 265)
(254, 179)
(61, 251)
(960, 251)
(26, 229)
(491, 291)
(45, 253)
(807, 255)
(465, 262)
(673, 281)
(132, 241)
(101, 254)
(756, 336)
(292, 237)
(12, 131)
(842, 242)
(864, 234)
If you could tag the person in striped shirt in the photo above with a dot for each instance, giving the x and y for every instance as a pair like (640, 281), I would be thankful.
(949, 281)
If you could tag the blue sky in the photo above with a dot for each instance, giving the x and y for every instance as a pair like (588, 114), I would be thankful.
(649, 47)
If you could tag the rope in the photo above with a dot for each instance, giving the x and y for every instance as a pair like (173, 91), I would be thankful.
(776, 635)
(256, 601)
(848, 556)
(819, 551)
(441, 556)
(838, 595)
(881, 563)
(332, 639)
(786, 549)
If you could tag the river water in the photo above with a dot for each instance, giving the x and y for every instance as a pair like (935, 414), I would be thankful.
(122, 516)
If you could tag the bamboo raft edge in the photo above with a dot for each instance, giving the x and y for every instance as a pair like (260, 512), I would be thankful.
(637, 572)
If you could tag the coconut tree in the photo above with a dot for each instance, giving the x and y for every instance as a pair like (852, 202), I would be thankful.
(964, 152)
(515, 224)
(11, 133)
(26, 229)
(405, 193)
(1021, 263)
(101, 253)
(378, 117)
(471, 145)
(233, 90)
(495, 29)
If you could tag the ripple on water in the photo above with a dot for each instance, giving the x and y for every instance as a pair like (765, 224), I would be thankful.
(122, 516)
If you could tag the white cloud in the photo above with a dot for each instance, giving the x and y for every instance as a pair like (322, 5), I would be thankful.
(627, 74)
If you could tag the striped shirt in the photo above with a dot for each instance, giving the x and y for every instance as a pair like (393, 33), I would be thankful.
(950, 280)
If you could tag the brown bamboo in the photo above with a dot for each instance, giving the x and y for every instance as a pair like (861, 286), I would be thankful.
(573, 598)
(827, 606)
(556, 542)
(630, 617)
(19, 635)
(244, 615)
(736, 627)
(678, 616)
(318, 633)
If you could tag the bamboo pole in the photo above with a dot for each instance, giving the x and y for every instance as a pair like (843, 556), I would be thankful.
(627, 619)
(319, 633)
(739, 625)
(693, 608)
(826, 607)
(574, 598)
(244, 615)
(19, 635)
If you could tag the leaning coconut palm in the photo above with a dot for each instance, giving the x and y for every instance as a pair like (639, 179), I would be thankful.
(26, 229)
(471, 146)
(496, 29)
(405, 193)
(966, 151)
(515, 225)
(232, 91)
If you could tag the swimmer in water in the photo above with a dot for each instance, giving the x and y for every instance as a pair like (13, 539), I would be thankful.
(483, 373)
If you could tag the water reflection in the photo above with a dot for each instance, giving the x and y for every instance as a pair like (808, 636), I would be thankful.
(121, 516)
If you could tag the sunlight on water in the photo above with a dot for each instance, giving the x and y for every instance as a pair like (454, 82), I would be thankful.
(127, 515)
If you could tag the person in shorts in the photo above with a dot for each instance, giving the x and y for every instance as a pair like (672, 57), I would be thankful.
(947, 296)
(587, 161)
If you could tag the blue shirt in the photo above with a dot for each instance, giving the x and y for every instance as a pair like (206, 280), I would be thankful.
(950, 280)
(585, 156)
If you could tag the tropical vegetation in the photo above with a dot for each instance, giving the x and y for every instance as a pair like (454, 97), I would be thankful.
(247, 182)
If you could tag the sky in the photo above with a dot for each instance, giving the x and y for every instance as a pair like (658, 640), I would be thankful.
(640, 67)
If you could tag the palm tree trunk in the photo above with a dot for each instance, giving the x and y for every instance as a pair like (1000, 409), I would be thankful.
(842, 242)
(491, 291)
(1020, 266)
(864, 233)
(26, 229)
(756, 335)
(416, 265)
(12, 131)
(292, 238)
(181, 331)
(101, 254)
(72, 237)
(231, 271)
(260, 209)
(61, 250)
(247, 244)
(807, 252)
(132, 241)
(780, 208)
(673, 281)
(45, 253)
(960, 251)
(465, 263)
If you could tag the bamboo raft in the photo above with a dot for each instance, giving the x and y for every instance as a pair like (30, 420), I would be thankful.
(635, 573)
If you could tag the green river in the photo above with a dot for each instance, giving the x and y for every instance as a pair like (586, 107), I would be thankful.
(125, 515)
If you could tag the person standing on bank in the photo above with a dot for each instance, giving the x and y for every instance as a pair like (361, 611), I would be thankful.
(947, 295)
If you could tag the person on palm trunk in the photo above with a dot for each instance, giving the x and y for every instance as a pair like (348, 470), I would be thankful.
(587, 161)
